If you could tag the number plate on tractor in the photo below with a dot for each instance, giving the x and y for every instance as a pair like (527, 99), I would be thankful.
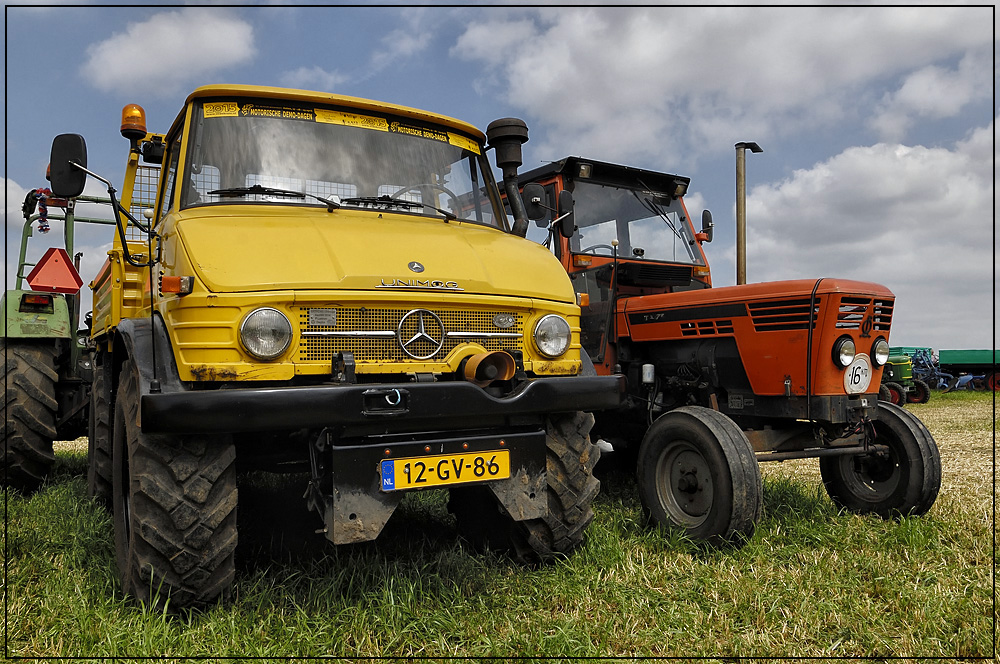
(445, 469)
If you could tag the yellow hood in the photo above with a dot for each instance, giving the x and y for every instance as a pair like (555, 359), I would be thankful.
(258, 249)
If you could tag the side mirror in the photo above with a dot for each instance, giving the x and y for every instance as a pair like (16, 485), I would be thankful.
(707, 227)
(67, 181)
(535, 201)
(567, 223)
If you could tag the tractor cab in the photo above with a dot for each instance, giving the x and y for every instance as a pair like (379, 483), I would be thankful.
(633, 235)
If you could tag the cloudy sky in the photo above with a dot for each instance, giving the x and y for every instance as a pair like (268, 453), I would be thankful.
(877, 123)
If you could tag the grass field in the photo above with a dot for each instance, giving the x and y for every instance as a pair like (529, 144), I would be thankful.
(811, 583)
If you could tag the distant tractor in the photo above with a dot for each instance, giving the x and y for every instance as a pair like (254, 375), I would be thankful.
(898, 384)
(48, 363)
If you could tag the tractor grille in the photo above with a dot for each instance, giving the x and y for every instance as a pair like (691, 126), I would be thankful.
(853, 314)
(375, 335)
(781, 315)
(636, 274)
(706, 328)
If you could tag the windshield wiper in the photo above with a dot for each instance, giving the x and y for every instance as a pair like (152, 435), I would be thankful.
(331, 203)
(389, 201)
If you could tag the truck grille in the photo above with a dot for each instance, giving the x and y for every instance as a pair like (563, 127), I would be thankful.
(780, 315)
(376, 335)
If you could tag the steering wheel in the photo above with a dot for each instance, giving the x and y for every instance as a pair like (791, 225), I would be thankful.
(447, 192)
(598, 246)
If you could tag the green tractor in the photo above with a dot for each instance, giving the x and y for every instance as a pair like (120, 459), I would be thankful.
(898, 384)
(47, 361)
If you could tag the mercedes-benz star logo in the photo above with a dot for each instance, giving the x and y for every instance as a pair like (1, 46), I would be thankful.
(420, 334)
(415, 267)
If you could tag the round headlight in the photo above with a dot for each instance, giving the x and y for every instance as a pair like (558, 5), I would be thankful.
(266, 333)
(880, 352)
(844, 351)
(552, 335)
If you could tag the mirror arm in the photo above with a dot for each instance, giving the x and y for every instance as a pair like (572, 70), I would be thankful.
(118, 208)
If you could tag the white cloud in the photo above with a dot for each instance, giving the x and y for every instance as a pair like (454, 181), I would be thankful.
(918, 220)
(932, 92)
(314, 78)
(617, 83)
(14, 198)
(403, 43)
(165, 52)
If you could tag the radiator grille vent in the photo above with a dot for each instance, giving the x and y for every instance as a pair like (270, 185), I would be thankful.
(706, 328)
(636, 274)
(370, 333)
(854, 311)
(780, 315)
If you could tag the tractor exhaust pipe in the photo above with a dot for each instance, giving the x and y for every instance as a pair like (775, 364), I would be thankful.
(506, 136)
(484, 368)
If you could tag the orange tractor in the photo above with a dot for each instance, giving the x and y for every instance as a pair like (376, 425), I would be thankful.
(722, 378)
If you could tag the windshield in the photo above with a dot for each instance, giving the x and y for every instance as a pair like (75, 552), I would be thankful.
(276, 152)
(647, 225)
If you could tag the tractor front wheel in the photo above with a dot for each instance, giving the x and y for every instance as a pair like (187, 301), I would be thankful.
(29, 397)
(174, 503)
(697, 471)
(901, 480)
(921, 392)
(897, 395)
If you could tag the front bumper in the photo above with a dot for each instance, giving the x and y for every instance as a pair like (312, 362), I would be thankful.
(393, 407)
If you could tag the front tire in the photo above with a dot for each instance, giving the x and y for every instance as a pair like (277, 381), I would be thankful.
(921, 392)
(174, 500)
(29, 394)
(571, 489)
(897, 395)
(697, 471)
(902, 481)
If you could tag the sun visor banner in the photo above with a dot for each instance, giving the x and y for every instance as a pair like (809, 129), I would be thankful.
(232, 109)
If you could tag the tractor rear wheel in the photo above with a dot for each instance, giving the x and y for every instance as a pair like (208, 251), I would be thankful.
(99, 484)
(921, 392)
(897, 395)
(697, 471)
(902, 480)
(29, 397)
(174, 509)
(572, 487)
(993, 381)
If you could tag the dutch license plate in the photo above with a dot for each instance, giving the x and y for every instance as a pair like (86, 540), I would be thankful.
(445, 469)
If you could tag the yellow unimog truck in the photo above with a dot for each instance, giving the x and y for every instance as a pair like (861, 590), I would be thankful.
(309, 282)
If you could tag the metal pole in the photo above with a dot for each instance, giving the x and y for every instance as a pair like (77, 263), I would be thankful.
(741, 208)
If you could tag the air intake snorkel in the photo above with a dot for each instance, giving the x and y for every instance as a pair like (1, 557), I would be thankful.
(506, 136)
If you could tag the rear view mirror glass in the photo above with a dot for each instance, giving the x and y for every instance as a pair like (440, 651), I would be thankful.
(67, 181)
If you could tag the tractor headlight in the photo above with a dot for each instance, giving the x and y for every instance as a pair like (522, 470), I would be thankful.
(880, 352)
(266, 333)
(844, 351)
(552, 335)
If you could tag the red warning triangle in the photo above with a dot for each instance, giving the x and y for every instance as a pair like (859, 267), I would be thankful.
(55, 273)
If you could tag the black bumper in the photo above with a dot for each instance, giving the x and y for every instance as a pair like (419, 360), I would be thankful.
(393, 407)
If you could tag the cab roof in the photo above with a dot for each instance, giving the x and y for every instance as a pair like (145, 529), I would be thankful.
(267, 92)
(606, 173)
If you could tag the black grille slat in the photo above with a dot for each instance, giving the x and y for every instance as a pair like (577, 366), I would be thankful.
(781, 315)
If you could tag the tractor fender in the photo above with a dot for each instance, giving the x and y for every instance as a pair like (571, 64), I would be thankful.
(146, 341)
(56, 324)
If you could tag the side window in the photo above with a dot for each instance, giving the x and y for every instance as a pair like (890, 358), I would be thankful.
(170, 181)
